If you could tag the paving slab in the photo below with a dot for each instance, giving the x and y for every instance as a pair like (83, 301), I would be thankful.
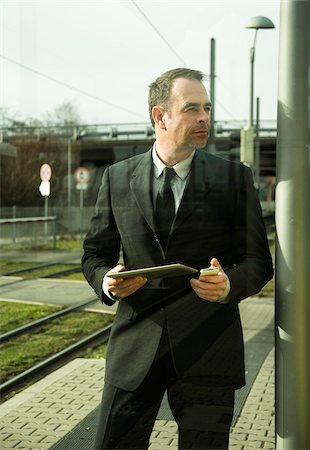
(62, 406)
(51, 292)
(43, 414)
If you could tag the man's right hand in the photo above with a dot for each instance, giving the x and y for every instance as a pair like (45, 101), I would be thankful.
(119, 287)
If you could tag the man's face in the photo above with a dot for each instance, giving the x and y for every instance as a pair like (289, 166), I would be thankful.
(187, 120)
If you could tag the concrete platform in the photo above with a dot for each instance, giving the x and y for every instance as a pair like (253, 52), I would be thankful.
(50, 291)
(60, 411)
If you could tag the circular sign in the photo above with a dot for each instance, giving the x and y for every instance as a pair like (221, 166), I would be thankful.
(81, 175)
(45, 172)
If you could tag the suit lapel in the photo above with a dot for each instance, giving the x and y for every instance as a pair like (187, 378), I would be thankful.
(196, 190)
(141, 187)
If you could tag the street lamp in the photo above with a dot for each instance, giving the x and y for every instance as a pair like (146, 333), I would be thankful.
(247, 144)
(258, 22)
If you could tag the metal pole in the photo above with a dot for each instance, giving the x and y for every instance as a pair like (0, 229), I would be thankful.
(69, 171)
(252, 59)
(54, 234)
(81, 211)
(211, 144)
(257, 146)
(252, 55)
(14, 224)
(45, 214)
(293, 225)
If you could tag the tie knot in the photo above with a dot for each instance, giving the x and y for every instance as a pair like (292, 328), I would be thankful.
(168, 174)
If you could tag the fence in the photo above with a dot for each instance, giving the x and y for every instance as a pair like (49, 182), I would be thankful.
(33, 229)
(28, 224)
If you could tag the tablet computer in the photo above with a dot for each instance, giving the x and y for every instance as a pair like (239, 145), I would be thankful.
(165, 271)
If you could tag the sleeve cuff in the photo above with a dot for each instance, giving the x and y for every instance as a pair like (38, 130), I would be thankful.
(223, 299)
(108, 294)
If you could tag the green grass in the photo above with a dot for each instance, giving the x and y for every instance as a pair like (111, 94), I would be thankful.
(39, 273)
(70, 244)
(64, 243)
(73, 276)
(98, 352)
(26, 350)
(13, 315)
(10, 266)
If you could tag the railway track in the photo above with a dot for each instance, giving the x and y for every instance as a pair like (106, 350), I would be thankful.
(44, 320)
(56, 360)
(60, 358)
(31, 269)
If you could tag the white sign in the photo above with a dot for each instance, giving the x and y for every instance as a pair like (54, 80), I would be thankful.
(45, 188)
(45, 172)
(81, 175)
(81, 187)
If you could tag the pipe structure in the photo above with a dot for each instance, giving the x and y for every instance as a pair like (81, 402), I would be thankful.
(211, 142)
(257, 144)
(293, 227)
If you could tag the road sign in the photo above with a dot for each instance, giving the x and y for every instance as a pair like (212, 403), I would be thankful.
(82, 187)
(81, 176)
(45, 188)
(45, 172)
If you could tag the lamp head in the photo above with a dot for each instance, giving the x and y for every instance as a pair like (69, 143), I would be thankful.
(260, 22)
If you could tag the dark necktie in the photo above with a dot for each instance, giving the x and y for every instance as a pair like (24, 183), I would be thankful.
(165, 208)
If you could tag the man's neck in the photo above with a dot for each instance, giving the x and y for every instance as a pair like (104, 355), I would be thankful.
(171, 157)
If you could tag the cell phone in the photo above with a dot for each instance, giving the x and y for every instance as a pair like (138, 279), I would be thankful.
(209, 271)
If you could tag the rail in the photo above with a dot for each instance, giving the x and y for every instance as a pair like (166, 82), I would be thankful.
(43, 320)
(99, 336)
(35, 269)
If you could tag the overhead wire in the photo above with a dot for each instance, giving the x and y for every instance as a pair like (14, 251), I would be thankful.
(92, 96)
(173, 50)
(159, 33)
(73, 88)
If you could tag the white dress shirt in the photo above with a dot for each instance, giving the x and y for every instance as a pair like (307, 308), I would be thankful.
(178, 183)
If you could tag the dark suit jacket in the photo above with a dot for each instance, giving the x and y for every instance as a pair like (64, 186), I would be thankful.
(219, 216)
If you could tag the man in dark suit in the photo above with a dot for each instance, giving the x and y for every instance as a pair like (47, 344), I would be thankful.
(181, 334)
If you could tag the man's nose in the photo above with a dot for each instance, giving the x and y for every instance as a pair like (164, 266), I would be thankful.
(204, 116)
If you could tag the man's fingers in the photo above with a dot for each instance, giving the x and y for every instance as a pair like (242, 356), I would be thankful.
(127, 287)
(209, 290)
(215, 263)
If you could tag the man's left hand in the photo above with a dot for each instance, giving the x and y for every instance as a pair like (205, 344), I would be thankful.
(211, 287)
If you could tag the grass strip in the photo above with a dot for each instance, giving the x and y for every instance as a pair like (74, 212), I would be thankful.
(26, 350)
(39, 273)
(14, 315)
(11, 266)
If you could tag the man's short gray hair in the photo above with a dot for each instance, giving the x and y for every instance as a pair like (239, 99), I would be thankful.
(160, 89)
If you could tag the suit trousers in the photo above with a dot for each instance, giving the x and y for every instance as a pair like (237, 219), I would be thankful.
(203, 414)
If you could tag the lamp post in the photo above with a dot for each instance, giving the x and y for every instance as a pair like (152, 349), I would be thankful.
(259, 22)
(247, 144)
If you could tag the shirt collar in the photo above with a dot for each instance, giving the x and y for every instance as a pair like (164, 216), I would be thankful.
(181, 169)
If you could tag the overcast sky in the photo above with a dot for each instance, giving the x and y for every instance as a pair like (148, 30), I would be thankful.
(112, 50)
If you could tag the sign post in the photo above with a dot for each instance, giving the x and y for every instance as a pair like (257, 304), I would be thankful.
(45, 188)
(81, 176)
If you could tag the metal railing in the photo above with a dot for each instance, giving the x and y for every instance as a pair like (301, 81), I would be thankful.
(12, 231)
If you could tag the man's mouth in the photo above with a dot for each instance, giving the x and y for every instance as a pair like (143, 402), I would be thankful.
(201, 132)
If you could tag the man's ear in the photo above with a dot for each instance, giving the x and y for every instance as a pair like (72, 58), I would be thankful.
(158, 117)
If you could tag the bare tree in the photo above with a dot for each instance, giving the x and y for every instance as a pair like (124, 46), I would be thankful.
(66, 114)
(35, 145)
